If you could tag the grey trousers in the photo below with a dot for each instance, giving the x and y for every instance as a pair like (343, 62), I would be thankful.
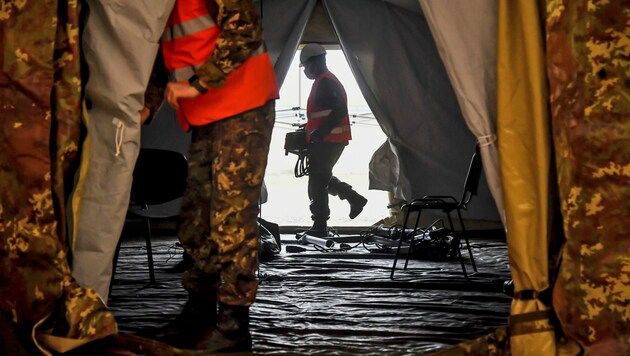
(120, 42)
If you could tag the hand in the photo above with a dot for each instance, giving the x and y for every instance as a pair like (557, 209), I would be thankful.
(145, 114)
(316, 136)
(175, 91)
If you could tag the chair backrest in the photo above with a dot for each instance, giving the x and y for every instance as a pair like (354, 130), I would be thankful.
(472, 178)
(159, 176)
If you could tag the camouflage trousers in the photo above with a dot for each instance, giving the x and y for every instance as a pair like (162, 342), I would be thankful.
(217, 225)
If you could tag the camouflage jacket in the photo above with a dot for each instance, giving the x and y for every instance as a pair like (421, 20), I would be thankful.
(241, 35)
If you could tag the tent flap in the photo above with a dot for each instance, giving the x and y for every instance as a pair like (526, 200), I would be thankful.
(410, 94)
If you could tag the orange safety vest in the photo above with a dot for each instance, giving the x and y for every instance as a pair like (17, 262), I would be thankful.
(187, 43)
(316, 115)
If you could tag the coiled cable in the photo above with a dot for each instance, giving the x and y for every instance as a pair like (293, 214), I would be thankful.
(301, 166)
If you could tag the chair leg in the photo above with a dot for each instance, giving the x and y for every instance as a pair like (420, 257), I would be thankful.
(461, 222)
(147, 238)
(401, 235)
(459, 251)
(413, 236)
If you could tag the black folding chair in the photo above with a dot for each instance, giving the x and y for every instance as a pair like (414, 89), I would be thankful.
(447, 204)
(159, 180)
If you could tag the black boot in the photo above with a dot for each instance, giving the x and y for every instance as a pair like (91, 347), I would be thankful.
(319, 228)
(357, 202)
(345, 192)
(231, 333)
(199, 314)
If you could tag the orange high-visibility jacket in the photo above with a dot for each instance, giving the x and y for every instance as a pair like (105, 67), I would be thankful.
(316, 115)
(187, 43)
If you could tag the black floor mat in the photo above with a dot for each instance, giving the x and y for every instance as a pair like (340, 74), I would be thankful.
(334, 302)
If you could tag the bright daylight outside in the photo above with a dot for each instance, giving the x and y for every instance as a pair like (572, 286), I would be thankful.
(288, 202)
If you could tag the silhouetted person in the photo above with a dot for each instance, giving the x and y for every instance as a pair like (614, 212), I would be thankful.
(328, 133)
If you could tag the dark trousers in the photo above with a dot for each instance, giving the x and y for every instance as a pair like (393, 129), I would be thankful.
(217, 225)
(322, 158)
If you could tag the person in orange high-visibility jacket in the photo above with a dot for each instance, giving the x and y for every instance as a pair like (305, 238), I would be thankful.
(328, 133)
(224, 88)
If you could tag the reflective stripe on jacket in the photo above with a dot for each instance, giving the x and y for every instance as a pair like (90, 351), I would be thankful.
(316, 115)
(188, 42)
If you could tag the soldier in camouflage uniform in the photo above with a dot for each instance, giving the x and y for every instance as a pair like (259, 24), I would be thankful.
(227, 163)
(40, 111)
(589, 76)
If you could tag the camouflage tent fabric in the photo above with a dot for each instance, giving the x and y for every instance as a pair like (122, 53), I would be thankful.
(589, 96)
(588, 69)
(40, 107)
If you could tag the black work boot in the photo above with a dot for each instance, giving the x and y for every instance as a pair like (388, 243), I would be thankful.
(319, 228)
(357, 202)
(345, 192)
(199, 314)
(231, 333)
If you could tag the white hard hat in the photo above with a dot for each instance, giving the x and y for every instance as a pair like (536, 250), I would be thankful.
(311, 50)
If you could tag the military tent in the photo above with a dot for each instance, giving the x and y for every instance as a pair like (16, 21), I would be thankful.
(542, 87)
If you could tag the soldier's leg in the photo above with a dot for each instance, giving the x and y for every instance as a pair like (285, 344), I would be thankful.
(193, 230)
(241, 145)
